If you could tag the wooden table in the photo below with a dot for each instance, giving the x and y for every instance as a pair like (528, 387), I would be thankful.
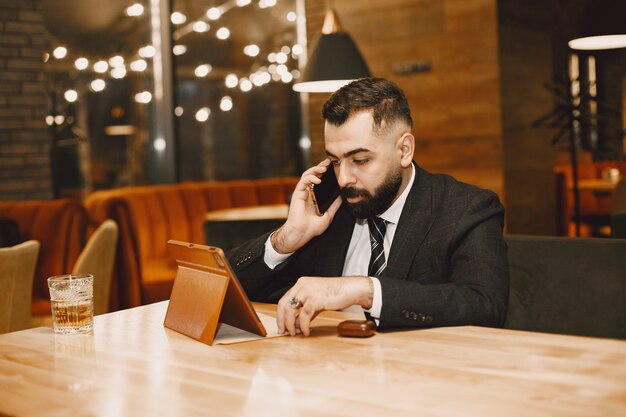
(132, 366)
(231, 227)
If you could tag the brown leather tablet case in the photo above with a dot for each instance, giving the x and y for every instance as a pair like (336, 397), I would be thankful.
(206, 292)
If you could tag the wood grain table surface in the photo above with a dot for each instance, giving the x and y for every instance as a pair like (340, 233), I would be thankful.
(130, 365)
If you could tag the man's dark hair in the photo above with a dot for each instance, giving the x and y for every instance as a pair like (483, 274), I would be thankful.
(383, 98)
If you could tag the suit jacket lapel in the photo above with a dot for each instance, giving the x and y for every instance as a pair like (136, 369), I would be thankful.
(415, 222)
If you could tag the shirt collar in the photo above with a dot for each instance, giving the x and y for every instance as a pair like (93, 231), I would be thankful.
(392, 214)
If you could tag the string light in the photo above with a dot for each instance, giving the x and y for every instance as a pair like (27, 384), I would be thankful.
(116, 61)
(147, 51)
(281, 57)
(81, 64)
(101, 67)
(134, 10)
(214, 13)
(251, 50)
(59, 119)
(144, 97)
(231, 81)
(203, 70)
(98, 85)
(70, 95)
(222, 33)
(202, 115)
(261, 76)
(226, 103)
(159, 144)
(138, 65)
(178, 18)
(59, 52)
(201, 26)
(297, 49)
(118, 72)
(179, 49)
(245, 85)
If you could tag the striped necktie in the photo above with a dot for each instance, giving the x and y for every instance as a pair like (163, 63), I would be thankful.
(378, 263)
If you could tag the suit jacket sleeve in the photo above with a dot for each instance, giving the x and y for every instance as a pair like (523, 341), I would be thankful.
(459, 275)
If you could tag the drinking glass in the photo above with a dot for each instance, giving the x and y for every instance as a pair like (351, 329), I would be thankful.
(71, 299)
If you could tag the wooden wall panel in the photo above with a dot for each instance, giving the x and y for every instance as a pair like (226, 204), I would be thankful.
(455, 106)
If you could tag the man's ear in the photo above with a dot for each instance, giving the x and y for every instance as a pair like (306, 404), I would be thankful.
(406, 146)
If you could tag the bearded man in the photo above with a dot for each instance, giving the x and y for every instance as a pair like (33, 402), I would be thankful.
(411, 248)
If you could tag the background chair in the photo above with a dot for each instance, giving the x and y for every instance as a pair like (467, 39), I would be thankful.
(98, 258)
(17, 270)
(618, 225)
(567, 285)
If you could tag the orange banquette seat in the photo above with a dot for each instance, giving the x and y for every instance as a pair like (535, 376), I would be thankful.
(148, 216)
(60, 227)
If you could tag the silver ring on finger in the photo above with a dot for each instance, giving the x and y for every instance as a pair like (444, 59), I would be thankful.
(295, 303)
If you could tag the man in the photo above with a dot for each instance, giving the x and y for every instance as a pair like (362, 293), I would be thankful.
(444, 260)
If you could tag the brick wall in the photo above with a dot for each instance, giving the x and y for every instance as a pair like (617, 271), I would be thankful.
(24, 138)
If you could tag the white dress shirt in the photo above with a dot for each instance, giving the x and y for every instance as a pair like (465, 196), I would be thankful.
(359, 250)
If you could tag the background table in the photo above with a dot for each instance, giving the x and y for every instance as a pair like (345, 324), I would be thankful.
(132, 366)
(230, 228)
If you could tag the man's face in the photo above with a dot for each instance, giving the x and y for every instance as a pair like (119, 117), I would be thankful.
(367, 165)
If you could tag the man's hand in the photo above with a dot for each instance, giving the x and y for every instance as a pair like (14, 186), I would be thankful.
(303, 223)
(318, 294)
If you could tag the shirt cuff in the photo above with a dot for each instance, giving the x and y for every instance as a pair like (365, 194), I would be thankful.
(377, 301)
(272, 258)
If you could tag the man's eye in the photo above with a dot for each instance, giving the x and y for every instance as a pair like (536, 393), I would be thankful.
(335, 162)
(360, 161)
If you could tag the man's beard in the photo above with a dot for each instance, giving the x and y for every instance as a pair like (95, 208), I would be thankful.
(373, 205)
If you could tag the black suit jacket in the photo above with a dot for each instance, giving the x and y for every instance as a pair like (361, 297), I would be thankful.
(447, 263)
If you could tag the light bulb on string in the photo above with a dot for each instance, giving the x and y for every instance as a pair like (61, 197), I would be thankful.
(147, 51)
(226, 103)
(138, 65)
(135, 10)
(179, 49)
(144, 97)
(178, 18)
(101, 66)
(81, 63)
(214, 13)
(251, 50)
(203, 70)
(201, 26)
(202, 115)
(59, 52)
(70, 95)
(231, 81)
(222, 33)
(97, 85)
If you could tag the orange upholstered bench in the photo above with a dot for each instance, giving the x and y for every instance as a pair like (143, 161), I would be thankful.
(60, 227)
(151, 215)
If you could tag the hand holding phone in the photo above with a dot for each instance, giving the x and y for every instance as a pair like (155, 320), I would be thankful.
(325, 193)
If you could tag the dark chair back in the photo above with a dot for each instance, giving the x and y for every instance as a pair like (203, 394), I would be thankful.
(567, 285)
(618, 225)
(9, 232)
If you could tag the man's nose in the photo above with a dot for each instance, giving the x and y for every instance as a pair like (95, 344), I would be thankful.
(345, 177)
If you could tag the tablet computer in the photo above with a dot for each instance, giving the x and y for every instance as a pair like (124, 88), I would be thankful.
(207, 292)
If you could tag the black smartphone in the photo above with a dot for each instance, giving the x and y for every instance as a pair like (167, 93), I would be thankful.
(325, 192)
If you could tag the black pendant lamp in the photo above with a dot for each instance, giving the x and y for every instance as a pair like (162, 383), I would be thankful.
(334, 62)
